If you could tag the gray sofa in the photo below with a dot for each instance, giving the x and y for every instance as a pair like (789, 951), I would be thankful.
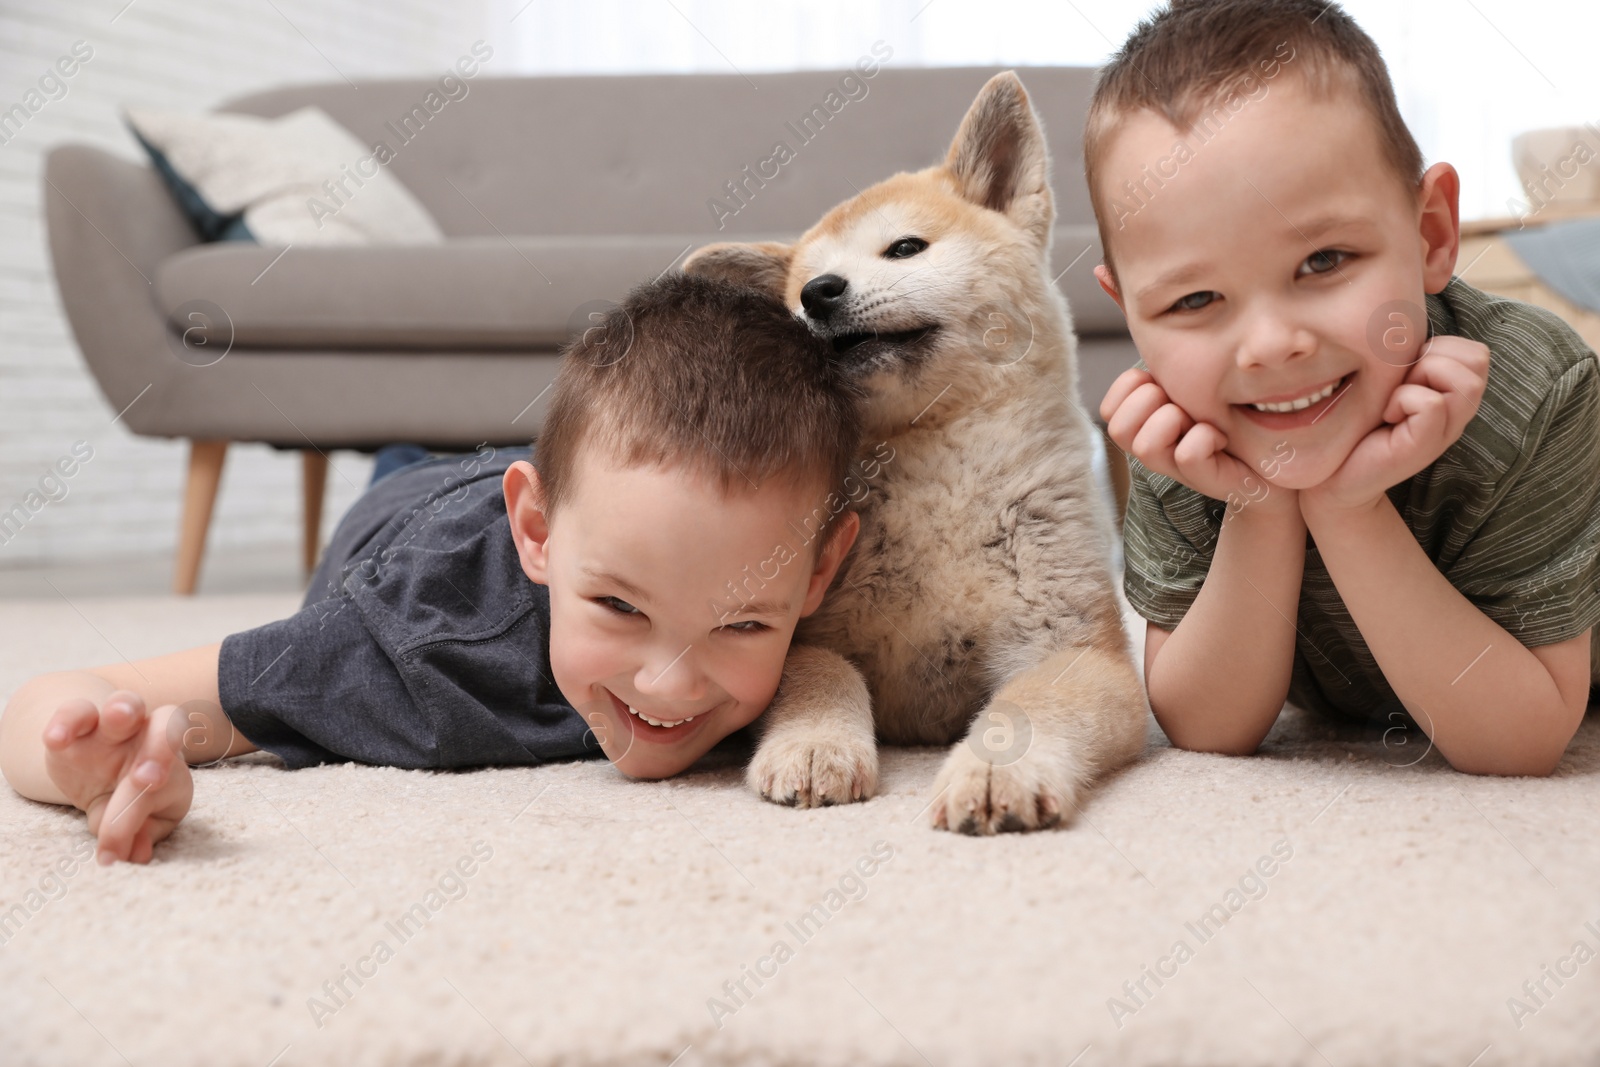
(555, 194)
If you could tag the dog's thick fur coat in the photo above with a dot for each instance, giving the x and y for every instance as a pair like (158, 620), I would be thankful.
(980, 581)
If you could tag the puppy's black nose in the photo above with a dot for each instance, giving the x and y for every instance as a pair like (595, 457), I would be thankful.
(823, 295)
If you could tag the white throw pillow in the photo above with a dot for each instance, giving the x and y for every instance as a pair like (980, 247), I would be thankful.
(275, 169)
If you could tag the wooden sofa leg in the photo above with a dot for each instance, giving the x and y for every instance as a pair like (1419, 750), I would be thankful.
(1117, 467)
(314, 470)
(199, 494)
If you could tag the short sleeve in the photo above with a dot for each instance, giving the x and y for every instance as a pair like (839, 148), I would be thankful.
(1533, 565)
(1169, 537)
(317, 688)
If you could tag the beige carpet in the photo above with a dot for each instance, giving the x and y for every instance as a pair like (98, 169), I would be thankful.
(566, 915)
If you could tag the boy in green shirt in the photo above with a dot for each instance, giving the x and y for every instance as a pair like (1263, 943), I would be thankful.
(1357, 482)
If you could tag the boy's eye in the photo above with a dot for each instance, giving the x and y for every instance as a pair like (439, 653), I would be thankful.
(617, 604)
(1194, 301)
(1323, 260)
(749, 626)
(905, 248)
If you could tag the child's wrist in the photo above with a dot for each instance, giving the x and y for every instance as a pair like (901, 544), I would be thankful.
(1325, 511)
(1271, 506)
(198, 731)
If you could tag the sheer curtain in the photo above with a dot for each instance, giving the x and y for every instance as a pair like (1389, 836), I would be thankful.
(1469, 74)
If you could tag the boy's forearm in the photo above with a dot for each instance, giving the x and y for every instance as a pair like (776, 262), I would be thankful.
(1220, 678)
(1488, 703)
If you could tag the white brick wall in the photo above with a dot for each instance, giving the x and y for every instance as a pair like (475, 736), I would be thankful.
(180, 55)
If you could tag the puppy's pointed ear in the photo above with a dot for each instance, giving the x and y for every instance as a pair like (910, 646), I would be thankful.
(999, 159)
(764, 265)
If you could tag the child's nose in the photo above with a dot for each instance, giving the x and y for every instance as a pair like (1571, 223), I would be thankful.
(1272, 337)
(672, 675)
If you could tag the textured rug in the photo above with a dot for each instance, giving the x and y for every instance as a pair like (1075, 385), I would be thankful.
(1340, 899)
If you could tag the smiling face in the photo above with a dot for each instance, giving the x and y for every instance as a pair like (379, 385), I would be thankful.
(669, 601)
(1275, 284)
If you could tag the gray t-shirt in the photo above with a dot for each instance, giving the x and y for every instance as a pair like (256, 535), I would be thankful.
(421, 642)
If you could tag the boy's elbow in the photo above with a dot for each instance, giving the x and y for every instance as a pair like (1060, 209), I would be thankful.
(1241, 736)
(1540, 763)
(1219, 745)
(1537, 757)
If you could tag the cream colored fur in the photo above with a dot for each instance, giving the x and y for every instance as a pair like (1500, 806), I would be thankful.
(977, 606)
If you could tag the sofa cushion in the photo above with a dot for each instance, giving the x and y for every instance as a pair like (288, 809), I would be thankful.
(465, 293)
(473, 292)
(299, 179)
(209, 223)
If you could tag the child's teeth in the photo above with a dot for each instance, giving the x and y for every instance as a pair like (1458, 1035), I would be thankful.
(658, 722)
(1303, 402)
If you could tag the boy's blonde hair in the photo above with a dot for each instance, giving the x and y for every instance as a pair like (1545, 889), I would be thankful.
(1184, 59)
(706, 376)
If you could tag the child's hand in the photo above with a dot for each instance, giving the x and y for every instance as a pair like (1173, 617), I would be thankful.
(1144, 422)
(118, 765)
(1426, 414)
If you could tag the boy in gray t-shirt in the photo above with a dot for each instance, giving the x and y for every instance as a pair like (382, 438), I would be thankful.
(493, 610)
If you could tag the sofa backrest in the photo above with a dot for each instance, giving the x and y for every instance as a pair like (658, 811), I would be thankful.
(649, 153)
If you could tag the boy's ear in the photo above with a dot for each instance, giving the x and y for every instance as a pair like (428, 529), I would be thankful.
(832, 553)
(530, 528)
(1438, 201)
(763, 264)
(1108, 282)
(999, 159)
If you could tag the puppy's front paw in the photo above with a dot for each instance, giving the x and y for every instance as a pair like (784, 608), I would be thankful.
(809, 771)
(976, 796)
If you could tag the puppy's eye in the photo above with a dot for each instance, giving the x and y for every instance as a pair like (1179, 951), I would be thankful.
(905, 248)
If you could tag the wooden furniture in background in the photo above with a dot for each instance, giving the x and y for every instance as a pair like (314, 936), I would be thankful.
(200, 497)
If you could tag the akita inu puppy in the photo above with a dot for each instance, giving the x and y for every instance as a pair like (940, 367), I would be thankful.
(980, 580)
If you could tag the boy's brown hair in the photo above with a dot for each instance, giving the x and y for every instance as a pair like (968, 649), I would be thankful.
(704, 375)
(1184, 59)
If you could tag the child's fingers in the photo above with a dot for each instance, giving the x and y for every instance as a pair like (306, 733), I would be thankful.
(1196, 457)
(1473, 355)
(1460, 385)
(122, 714)
(1136, 410)
(1420, 418)
(1202, 463)
(1199, 445)
(1125, 383)
(143, 847)
(137, 797)
(127, 813)
(73, 719)
(1156, 439)
(1442, 372)
(1410, 401)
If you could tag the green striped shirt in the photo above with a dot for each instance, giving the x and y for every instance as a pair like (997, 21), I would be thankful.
(1510, 513)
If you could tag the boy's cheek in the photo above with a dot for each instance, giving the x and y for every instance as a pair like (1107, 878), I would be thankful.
(1197, 396)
